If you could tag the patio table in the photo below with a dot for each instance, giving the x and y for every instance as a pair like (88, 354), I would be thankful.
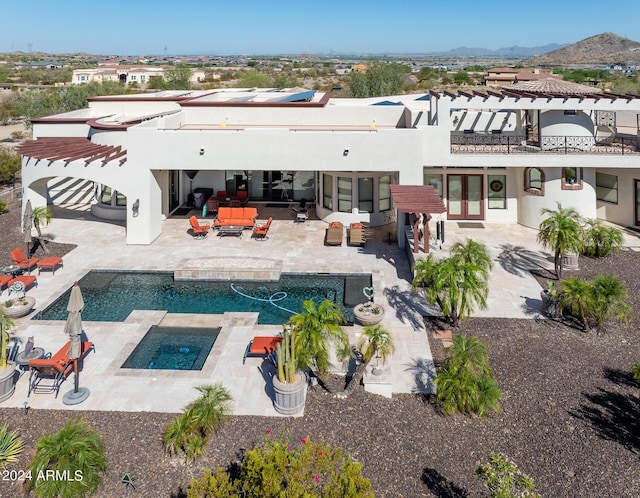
(230, 230)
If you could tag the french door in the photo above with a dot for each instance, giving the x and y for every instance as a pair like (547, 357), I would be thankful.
(464, 197)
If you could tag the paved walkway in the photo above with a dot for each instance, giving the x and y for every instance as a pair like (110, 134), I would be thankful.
(300, 248)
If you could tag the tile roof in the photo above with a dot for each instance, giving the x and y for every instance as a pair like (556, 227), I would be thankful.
(553, 86)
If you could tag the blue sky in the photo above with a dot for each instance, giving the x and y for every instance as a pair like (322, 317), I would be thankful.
(141, 27)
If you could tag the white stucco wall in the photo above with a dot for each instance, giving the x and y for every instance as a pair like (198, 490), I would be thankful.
(623, 212)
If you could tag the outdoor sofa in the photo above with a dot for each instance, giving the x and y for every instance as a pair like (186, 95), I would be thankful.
(234, 217)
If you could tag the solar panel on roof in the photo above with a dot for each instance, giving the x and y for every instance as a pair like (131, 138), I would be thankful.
(424, 97)
(242, 99)
(387, 102)
(299, 97)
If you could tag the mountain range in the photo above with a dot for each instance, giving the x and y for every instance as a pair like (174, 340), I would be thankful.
(514, 52)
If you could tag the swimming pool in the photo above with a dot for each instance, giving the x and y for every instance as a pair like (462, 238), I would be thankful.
(173, 348)
(110, 296)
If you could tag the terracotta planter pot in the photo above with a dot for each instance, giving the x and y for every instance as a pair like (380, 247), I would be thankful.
(7, 381)
(289, 398)
(365, 315)
(17, 309)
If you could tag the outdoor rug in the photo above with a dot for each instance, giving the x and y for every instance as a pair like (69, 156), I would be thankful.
(181, 211)
(470, 224)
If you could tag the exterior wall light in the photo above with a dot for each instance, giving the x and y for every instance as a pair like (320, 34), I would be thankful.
(202, 152)
(135, 207)
(345, 152)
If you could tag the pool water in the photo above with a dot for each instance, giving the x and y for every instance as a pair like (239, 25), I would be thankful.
(110, 296)
(173, 348)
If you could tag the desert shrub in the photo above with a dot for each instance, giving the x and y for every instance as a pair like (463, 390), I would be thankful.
(466, 383)
(189, 432)
(11, 445)
(281, 467)
(635, 372)
(3, 207)
(601, 240)
(504, 479)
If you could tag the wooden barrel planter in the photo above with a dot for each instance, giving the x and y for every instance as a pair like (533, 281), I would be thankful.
(289, 398)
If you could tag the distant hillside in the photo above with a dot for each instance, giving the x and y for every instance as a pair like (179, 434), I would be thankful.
(607, 48)
(514, 52)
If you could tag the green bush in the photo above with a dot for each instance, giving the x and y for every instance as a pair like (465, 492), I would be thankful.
(77, 452)
(11, 445)
(601, 240)
(635, 371)
(504, 479)
(595, 302)
(466, 383)
(190, 431)
(3, 207)
(280, 467)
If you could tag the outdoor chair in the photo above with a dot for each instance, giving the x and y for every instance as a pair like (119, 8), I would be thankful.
(212, 206)
(356, 234)
(260, 231)
(19, 259)
(4, 282)
(243, 197)
(262, 346)
(235, 203)
(28, 281)
(199, 231)
(334, 233)
(48, 374)
(49, 263)
(302, 213)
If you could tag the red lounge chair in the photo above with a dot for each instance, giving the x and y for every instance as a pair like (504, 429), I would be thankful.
(28, 281)
(48, 374)
(260, 231)
(18, 257)
(4, 281)
(262, 346)
(49, 263)
(199, 231)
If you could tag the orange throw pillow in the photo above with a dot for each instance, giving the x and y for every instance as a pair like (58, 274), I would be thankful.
(335, 224)
(357, 225)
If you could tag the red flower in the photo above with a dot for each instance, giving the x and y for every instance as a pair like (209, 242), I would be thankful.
(319, 453)
(268, 431)
(303, 440)
(317, 478)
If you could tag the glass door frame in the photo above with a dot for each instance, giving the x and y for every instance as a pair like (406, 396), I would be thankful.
(636, 203)
(464, 211)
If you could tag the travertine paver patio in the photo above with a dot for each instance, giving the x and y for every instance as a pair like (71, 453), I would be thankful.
(300, 248)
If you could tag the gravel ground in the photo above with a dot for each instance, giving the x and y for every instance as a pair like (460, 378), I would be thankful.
(569, 417)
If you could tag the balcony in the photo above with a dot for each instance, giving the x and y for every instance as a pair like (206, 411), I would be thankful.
(496, 143)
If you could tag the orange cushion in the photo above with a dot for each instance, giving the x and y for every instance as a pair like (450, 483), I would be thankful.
(357, 225)
(335, 224)
(264, 344)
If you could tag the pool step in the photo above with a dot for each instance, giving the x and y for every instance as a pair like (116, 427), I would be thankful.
(229, 268)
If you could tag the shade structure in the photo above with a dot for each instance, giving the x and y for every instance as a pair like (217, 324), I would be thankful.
(73, 328)
(27, 223)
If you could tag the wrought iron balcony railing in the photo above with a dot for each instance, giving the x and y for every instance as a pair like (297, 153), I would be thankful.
(482, 143)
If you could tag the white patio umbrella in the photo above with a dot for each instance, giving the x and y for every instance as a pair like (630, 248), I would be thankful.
(73, 328)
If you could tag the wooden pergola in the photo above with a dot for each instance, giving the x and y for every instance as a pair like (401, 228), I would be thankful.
(417, 200)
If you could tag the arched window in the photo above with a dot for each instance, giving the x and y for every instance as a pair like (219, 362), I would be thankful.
(572, 178)
(534, 181)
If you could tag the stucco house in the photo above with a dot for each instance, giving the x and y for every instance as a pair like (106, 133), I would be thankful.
(498, 156)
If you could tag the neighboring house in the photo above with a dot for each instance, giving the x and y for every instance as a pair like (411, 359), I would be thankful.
(504, 76)
(493, 155)
(133, 74)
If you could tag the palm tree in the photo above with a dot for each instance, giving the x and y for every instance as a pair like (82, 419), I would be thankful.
(11, 445)
(457, 284)
(42, 214)
(561, 232)
(317, 327)
(177, 434)
(465, 382)
(601, 240)
(212, 409)
(577, 297)
(76, 451)
(610, 296)
(377, 340)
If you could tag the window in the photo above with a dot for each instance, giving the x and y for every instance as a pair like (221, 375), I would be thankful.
(365, 195)
(327, 191)
(435, 180)
(83, 78)
(344, 194)
(534, 181)
(133, 77)
(142, 78)
(571, 178)
(497, 191)
(384, 192)
(607, 188)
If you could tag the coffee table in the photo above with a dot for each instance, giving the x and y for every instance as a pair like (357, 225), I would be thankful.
(12, 270)
(22, 359)
(230, 230)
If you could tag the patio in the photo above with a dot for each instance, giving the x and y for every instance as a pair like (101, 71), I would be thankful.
(297, 247)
